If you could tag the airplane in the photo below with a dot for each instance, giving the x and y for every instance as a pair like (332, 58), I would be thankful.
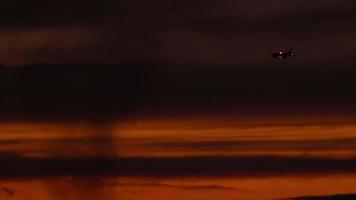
(281, 55)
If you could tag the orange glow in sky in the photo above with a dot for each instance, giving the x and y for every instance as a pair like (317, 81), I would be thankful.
(299, 136)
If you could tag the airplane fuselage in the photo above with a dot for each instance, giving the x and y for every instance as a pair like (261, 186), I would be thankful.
(282, 55)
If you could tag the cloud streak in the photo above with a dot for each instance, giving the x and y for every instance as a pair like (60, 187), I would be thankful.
(328, 197)
(263, 145)
(239, 166)
(177, 186)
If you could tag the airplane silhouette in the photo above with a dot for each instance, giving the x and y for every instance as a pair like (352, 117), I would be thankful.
(281, 55)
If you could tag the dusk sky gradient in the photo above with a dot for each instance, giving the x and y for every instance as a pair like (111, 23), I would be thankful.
(154, 99)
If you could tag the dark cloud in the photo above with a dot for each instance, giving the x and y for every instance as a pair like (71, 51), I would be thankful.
(63, 91)
(160, 14)
(105, 92)
(256, 145)
(254, 90)
(8, 191)
(182, 187)
(176, 33)
(42, 14)
(21, 167)
(101, 146)
(328, 197)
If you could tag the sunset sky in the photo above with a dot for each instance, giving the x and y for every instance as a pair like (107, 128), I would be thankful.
(177, 99)
(175, 33)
